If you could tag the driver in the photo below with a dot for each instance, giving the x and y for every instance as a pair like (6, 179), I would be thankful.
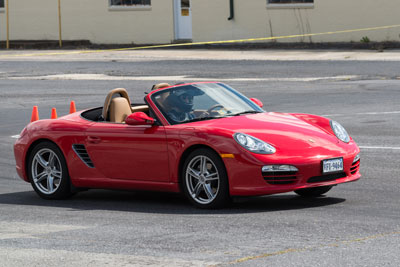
(180, 105)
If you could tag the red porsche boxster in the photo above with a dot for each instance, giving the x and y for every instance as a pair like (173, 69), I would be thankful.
(205, 140)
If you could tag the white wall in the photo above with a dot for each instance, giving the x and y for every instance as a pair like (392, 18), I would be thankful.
(254, 19)
(93, 20)
(90, 20)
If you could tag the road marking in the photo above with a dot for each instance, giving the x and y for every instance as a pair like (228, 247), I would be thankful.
(291, 250)
(380, 147)
(362, 113)
(13, 256)
(104, 77)
(15, 136)
(12, 230)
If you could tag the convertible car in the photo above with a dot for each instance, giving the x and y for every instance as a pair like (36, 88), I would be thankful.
(205, 140)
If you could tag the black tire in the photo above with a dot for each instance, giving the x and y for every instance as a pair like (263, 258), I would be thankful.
(313, 191)
(205, 187)
(51, 181)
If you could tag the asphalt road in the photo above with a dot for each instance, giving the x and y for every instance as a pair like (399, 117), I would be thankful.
(356, 224)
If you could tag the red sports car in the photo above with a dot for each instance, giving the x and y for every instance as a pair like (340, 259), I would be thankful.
(203, 139)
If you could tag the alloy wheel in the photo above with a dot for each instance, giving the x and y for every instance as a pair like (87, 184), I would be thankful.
(46, 171)
(202, 179)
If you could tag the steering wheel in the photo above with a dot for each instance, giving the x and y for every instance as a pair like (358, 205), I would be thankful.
(208, 112)
(214, 107)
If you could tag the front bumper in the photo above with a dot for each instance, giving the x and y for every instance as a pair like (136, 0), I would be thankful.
(247, 179)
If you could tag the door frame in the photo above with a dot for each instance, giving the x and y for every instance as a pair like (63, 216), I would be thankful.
(177, 11)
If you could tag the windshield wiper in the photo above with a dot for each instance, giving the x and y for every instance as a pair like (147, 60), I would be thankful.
(246, 112)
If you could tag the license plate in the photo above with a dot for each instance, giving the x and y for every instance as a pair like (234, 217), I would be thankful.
(332, 165)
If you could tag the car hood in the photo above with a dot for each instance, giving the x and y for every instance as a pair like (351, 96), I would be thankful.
(291, 133)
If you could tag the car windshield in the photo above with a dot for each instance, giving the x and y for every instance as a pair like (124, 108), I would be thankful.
(202, 101)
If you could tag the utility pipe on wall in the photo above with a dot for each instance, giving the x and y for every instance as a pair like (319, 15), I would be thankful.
(8, 26)
(59, 24)
(232, 10)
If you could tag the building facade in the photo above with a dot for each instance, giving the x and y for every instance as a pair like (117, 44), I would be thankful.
(166, 21)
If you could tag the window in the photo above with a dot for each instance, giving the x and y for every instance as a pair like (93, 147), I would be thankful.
(129, 3)
(185, 3)
(1, 3)
(289, 1)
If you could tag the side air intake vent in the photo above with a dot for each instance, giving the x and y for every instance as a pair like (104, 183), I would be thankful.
(82, 153)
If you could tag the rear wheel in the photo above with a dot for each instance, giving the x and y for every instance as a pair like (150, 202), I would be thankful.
(48, 172)
(313, 191)
(205, 182)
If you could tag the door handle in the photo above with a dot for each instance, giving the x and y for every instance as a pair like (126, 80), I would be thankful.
(94, 139)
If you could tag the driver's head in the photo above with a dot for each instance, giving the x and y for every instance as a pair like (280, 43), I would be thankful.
(186, 99)
(182, 98)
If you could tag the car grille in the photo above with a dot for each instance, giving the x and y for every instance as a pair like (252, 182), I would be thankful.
(326, 178)
(82, 153)
(355, 167)
(280, 178)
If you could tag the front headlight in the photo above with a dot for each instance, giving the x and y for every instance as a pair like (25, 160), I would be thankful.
(340, 132)
(253, 144)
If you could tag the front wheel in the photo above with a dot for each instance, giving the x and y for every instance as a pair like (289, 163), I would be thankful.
(48, 172)
(313, 191)
(205, 182)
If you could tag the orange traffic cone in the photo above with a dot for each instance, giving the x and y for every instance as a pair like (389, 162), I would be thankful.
(35, 114)
(53, 113)
(72, 108)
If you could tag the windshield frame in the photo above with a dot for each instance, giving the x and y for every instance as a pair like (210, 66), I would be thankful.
(152, 97)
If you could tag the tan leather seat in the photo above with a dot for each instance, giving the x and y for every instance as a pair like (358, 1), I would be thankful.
(160, 85)
(119, 109)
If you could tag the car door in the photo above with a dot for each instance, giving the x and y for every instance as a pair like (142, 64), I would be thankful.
(121, 151)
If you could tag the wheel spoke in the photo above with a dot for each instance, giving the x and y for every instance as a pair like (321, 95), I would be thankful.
(197, 190)
(57, 174)
(40, 177)
(194, 174)
(51, 160)
(203, 167)
(41, 161)
(212, 177)
(50, 184)
(208, 190)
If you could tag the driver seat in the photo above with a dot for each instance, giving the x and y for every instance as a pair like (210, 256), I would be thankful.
(117, 106)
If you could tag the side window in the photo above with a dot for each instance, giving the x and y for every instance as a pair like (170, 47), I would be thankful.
(289, 1)
(129, 3)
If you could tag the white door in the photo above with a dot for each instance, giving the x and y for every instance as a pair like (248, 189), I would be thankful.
(183, 19)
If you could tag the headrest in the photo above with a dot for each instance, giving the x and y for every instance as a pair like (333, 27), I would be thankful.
(160, 85)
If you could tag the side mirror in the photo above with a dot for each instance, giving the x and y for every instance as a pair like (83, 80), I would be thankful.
(139, 118)
(257, 102)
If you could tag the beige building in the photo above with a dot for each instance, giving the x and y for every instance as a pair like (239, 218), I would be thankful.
(166, 21)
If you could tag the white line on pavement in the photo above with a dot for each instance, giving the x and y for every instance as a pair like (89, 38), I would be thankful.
(104, 77)
(362, 113)
(380, 147)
